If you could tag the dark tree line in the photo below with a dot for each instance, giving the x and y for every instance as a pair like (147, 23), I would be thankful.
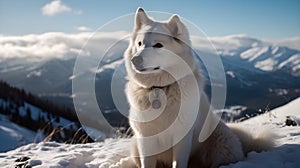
(47, 119)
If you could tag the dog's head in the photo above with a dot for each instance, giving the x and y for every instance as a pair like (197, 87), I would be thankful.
(155, 49)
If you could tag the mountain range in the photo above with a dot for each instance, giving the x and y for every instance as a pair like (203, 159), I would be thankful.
(261, 74)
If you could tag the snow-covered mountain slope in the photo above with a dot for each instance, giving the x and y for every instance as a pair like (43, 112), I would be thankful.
(275, 120)
(287, 152)
(273, 58)
(13, 135)
(26, 123)
(114, 152)
(21, 111)
(261, 54)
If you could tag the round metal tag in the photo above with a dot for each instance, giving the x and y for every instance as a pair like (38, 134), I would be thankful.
(156, 104)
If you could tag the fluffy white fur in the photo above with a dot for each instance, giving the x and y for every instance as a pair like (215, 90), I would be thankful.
(223, 146)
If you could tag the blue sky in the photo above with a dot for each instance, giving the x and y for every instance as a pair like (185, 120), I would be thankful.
(271, 19)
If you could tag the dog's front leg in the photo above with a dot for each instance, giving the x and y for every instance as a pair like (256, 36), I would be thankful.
(181, 152)
(148, 162)
(145, 150)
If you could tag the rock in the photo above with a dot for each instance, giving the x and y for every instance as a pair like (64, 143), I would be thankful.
(22, 162)
(22, 159)
(290, 121)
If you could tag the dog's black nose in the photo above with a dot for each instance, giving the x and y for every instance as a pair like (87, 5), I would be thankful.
(137, 61)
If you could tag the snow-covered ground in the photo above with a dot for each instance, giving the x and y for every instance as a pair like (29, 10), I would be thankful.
(13, 135)
(287, 152)
(114, 152)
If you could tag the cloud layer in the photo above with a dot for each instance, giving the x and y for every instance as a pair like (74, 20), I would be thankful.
(63, 45)
(55, 7)
(57, 45)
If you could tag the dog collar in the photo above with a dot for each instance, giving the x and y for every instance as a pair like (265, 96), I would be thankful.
(155, 102)
(158, 87)
(156, 92)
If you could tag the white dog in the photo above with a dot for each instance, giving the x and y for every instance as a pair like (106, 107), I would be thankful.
(169, 112)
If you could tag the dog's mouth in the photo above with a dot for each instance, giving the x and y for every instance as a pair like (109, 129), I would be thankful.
(149, 69)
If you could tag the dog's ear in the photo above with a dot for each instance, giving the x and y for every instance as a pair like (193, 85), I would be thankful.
(141, 18)
(175, 25)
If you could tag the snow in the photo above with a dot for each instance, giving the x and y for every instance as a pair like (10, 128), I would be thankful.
(254, 53)
(72, 77)
(13, 136)
(115, 152)
(265, 55)
(34, 73)
(266, 65)
(286, 156)
(37, 112)
(293, 61)
(275, 119)
(51, 154)
(275, 50)
(272, 58)
(96, 134)
(282, 91)
(230, 73)
(231, 111)
(287, 152)
(11, 68)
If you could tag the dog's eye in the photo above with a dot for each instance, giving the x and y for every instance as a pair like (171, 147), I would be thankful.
(140, 43)
(158, 45)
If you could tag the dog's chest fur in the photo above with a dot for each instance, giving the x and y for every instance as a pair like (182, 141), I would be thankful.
(140, 99)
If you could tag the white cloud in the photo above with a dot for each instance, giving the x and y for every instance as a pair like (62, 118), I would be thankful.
(55, 7)
(57, 45)
(293, 42)
(83, 28)
(63, 45)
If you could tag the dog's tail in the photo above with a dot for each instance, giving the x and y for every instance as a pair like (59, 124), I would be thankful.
(262, 140)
